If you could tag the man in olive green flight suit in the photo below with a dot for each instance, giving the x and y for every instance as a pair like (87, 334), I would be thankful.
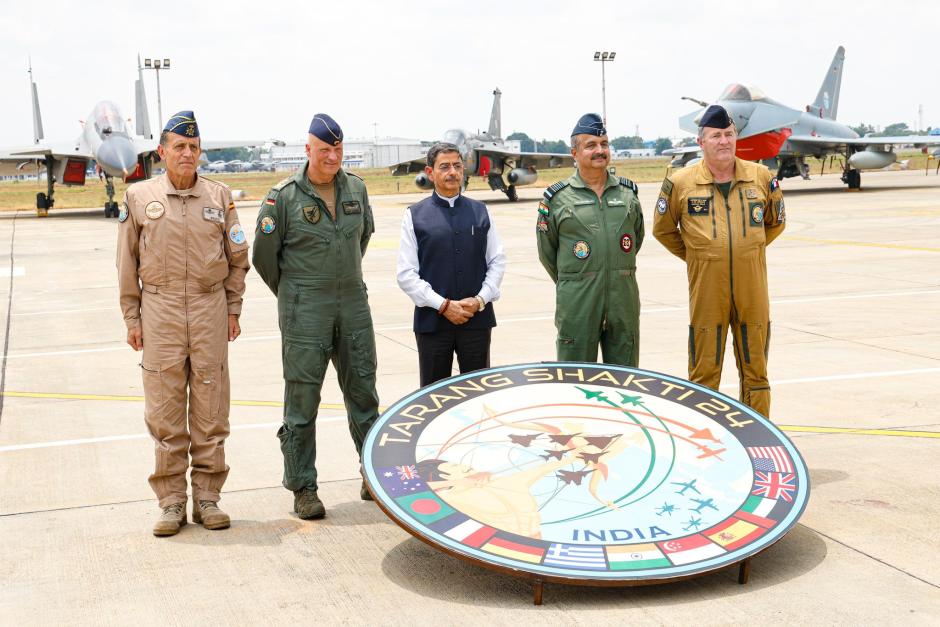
(589, 230)
(313, 229)
(719, 216)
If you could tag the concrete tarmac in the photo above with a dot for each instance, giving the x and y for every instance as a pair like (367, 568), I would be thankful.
(854, 364)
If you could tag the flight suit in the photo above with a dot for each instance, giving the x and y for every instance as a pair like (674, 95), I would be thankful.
(313, 264)
(588, 246)
(182, 259)
(723, 245)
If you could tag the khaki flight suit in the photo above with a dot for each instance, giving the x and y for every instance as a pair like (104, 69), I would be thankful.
(723, 245)
(182, 259)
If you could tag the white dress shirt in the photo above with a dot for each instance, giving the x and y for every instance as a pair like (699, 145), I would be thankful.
(419, 290)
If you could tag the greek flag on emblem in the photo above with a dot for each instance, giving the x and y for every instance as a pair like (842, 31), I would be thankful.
(588, 557)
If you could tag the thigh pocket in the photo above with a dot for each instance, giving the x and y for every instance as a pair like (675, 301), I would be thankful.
(154, 393)
(362, 345)
(205, 390)
(305, 363)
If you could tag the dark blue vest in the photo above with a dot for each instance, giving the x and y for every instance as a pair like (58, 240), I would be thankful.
(451, 256)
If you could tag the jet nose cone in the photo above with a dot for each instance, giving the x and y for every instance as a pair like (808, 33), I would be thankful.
(117, 156)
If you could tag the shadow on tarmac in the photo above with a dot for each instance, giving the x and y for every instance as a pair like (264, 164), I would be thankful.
(421, 569)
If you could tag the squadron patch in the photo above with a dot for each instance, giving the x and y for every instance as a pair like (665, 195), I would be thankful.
(154, 209)
(781, 212)
(699, 206)
(542, 224)
(267, 225)
(750, 193)
(626, 242)
(124, 212)
(213, 214)
(351, 207)
(774, 185)
(757, 214)
(662, 205)
(543, 208)
(312, 214)
(581, 249)
(236, 234)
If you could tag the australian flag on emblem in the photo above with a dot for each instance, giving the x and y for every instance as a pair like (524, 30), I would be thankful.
(400, 480)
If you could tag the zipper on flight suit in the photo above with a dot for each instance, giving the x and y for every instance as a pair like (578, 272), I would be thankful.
(743, 213)
(730, 246)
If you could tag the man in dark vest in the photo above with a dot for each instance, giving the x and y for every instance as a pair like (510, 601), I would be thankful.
(450, 263)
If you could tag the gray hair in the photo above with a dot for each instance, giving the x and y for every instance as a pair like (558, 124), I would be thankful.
(439, 148)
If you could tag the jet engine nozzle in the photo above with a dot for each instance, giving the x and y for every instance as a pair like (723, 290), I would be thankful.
(522, 176)
(423, 182)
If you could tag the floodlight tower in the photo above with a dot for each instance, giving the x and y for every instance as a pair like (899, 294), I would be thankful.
(604, 57)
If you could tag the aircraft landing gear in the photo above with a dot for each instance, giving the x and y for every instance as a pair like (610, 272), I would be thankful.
(110, 207)
(496, 183)
(852, 178)
(45, 201)
(512, 194)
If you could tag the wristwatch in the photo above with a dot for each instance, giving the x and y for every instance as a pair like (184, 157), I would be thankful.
(481, 301)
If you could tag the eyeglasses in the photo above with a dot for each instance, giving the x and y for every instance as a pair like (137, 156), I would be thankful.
(447, 167)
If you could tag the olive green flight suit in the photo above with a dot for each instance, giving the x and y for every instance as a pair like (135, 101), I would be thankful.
(723, 245)
(313, 264)
(588, 246)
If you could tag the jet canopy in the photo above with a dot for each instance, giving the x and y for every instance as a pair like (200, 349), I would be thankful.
(107, 119)
(458, 138)
(736, 92)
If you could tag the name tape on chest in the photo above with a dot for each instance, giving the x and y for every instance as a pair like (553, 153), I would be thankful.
(699, 206)
(351, 207)
(213, 214)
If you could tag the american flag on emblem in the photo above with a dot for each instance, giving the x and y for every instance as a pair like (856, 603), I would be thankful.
(770, 458)
(406, 473)
(775, 485)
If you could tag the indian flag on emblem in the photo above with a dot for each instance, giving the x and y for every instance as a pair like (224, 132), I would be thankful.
(635, 557)
(756, 509)
(734, 533)
(690, 549)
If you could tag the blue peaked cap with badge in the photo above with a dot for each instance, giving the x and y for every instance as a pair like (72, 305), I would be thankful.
(715, 116)
(326, 129)
(182, 123)
(589, 124)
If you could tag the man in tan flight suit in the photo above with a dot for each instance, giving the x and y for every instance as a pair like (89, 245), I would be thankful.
(719, 216)
(182, 259)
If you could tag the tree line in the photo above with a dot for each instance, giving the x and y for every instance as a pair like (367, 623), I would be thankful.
(527, 144)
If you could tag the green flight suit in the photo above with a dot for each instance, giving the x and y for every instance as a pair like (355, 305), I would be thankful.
(588, 246)
(313, 264)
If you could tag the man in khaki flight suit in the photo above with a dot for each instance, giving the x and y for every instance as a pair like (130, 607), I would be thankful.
(719, 216)
(182, 259)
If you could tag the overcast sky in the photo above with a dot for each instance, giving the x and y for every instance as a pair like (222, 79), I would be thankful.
(255, 69)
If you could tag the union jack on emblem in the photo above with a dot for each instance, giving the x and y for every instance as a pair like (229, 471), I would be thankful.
(406, 473)
(775, 485)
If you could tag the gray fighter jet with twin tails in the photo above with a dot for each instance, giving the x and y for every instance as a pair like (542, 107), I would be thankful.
(105, 139)
(781, 138)
(487, 155)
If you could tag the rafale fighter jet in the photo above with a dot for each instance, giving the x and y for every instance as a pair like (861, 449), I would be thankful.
(488, 156)
(105, 139)
(781, 138)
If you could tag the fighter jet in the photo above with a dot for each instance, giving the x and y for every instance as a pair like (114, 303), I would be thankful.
(685, 486)
(573, 476)
(702, 504)
(781, 138)
(105, 139)
(487, 155)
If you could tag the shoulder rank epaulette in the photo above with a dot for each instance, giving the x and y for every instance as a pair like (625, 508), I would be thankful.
(628, 183)
(281, 185)
(356, 175)
(554, 189)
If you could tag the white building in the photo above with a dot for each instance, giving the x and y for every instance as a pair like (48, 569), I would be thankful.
(357, 153)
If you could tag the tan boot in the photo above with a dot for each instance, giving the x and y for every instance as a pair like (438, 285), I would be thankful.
(210, 516)
(170, 521)
(308, 505)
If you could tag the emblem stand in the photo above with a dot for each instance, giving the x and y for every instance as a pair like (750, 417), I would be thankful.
(585, 474)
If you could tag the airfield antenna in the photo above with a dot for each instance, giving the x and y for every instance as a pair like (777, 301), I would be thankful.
(604, 57)
(156, 65)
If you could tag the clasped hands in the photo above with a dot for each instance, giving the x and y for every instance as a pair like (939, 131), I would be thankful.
(459, 311)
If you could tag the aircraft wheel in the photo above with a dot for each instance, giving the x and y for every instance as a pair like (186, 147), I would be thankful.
(107, 209)
(41, 201)
(854, 179)
(512, 193)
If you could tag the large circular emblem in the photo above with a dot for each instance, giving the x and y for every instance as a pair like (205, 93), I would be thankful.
(579, 472)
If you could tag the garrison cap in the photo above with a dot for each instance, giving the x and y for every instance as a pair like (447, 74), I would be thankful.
(589, 124)
(182, 123)
(326, 129)
(715, 116)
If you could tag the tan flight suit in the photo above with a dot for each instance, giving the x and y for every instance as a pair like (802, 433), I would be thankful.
(723, 246)
(182, 259)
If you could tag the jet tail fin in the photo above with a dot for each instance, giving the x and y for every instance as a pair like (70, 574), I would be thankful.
(496, 117)
(826, 104)
(37, 115)
(141, 114)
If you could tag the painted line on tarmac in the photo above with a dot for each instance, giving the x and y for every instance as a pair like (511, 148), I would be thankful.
(842, 242)
(853, 431)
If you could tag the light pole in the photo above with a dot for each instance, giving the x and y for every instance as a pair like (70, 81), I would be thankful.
(156, 65)
(604, 57)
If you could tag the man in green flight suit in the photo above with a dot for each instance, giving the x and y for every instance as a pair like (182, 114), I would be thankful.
(589, 230)
(313, 229)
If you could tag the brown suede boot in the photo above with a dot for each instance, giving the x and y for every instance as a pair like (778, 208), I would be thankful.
(210, 516)
(170, 521)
